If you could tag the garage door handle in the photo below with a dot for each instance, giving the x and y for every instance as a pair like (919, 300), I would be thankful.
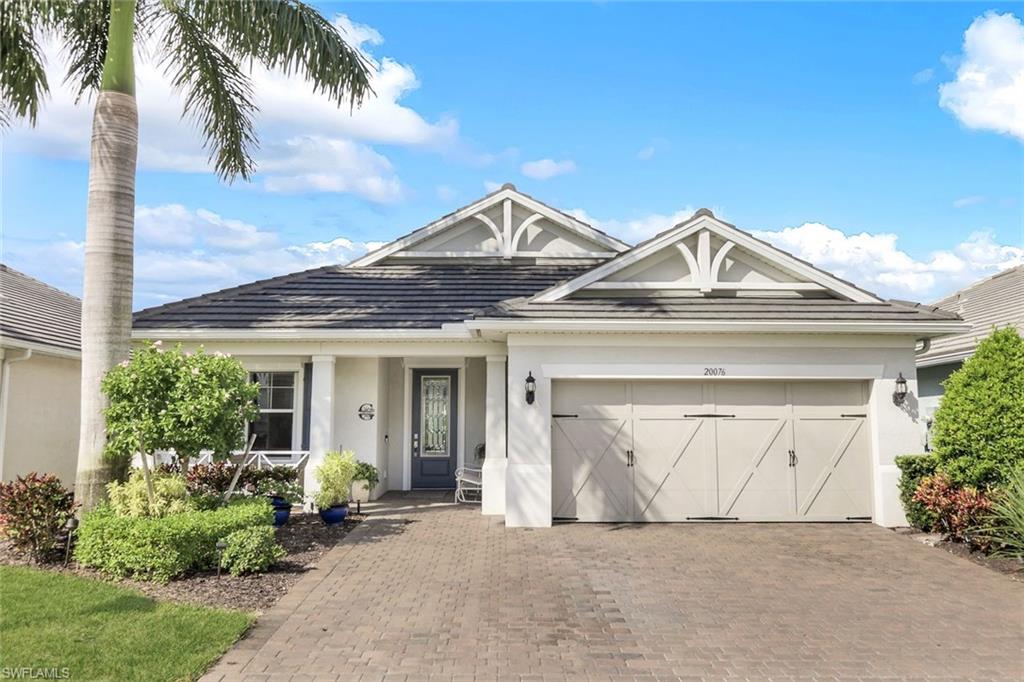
(792, 458)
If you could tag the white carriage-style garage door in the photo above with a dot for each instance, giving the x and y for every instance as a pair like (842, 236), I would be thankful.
(731, 450)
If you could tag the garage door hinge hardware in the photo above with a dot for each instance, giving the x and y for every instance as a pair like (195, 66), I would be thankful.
(565, 416)
(853, 415)
(709, 415)
(858, 518)
(712, 518)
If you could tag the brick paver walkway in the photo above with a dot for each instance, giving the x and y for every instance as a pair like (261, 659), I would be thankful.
(433, 591)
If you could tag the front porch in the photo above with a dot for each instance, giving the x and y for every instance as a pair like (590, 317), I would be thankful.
(415, 418)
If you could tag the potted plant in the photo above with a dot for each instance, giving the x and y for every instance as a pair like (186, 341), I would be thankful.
(366, 479)
(282, 495)
(334, 476)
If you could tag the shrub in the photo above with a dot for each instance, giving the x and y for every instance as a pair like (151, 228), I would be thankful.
(251, 550)
(335, 478)
(162, 548)
(131, 498)
(912, 469)
(33, 511)
(210, 479)
(1005, 528)
(367, 472)
(978, 432)
(959, 512)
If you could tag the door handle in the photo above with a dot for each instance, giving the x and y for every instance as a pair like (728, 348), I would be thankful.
(792, 458)
(415, 443)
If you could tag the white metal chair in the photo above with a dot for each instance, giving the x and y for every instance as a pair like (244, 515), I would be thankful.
(469, 484)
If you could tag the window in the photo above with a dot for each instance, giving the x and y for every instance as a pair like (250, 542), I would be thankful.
(434, 399)
(273, 428)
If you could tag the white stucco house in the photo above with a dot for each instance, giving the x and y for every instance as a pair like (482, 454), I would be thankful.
(40, 378)
(700, 375)
(992, 303)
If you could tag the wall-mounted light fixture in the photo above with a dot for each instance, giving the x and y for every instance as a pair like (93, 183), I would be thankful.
(531, 388)
(900, 394)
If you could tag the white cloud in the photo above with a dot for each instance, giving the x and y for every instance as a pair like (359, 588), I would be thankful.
(963, 202)
(988, 93)
(291, 117)
(446, 192)
(182, 252)
(637, 229)
(646, 154)
(876, 263)
(543, 169)
(923, 76)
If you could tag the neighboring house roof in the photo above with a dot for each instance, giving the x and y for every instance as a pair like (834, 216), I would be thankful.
(34, 314)
(997, 301)
(421, 296)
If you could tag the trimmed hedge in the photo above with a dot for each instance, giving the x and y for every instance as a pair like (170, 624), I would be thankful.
(163, 548)
(914, 468)
(251, 550)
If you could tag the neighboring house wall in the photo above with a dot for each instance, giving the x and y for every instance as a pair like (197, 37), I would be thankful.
(40, 431)
(929, 381)
(894, 429)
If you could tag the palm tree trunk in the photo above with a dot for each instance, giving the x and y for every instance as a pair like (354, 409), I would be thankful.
(110, 222)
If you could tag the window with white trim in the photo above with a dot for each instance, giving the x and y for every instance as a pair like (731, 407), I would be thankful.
(275, 425)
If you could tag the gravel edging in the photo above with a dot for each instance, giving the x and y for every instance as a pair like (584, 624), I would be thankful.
(305, 538)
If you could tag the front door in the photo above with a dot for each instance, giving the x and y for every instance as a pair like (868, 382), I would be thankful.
(435, 397)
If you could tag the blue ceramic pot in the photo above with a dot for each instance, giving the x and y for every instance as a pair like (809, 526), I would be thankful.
(281, 515)
(334, 515)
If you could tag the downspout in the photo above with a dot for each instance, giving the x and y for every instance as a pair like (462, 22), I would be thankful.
(5, 382)
(926, 345)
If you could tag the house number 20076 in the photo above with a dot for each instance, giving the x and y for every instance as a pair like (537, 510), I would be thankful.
(714, 371)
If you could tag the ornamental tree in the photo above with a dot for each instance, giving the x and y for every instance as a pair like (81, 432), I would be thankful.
(979, 426)
(173, 400)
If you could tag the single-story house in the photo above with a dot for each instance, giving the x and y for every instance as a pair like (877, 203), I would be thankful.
(40, 377)
(702, 374)
(992, 303)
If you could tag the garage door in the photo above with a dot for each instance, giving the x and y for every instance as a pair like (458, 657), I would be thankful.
(687, 451)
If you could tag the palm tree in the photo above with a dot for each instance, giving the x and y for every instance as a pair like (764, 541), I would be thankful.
(205, 47)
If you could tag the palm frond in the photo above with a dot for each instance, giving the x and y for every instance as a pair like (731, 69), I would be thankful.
(218, 95)
(22, 74)
(289, 36)
(84, 28)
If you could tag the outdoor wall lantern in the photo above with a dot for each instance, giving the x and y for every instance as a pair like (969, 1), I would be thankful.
(900, 394)
(531, 388)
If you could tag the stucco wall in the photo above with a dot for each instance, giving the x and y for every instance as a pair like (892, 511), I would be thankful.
(41, 430)
(476, 396)
(355, 384)
(895, 429)
(395, 427)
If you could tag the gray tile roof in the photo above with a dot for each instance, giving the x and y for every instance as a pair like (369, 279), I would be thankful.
(420, 296)
(996, 301)
(34, 312)
(700, 308)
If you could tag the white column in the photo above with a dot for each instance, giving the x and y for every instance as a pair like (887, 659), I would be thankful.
(528, 476)
(494, 458)
(321, 418)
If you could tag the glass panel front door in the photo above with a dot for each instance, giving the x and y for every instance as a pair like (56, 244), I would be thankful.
(434, 427)
(435, 399)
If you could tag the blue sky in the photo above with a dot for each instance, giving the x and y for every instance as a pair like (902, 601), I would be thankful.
(883, 142)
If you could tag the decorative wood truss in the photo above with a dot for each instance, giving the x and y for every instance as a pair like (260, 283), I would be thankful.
(505, 224)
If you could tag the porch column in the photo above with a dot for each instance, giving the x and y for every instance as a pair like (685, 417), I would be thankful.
(494, 457)
(321, 418)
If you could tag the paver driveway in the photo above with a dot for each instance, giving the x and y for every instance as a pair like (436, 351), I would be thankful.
(428, 590)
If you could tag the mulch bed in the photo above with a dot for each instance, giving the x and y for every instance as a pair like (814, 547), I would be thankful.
(1007, 566)
(304, 537)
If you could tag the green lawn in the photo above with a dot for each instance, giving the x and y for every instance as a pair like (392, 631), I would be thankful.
(104, 632)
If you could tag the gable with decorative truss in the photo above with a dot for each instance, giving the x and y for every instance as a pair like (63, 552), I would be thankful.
(704, 256)
(506, 224)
